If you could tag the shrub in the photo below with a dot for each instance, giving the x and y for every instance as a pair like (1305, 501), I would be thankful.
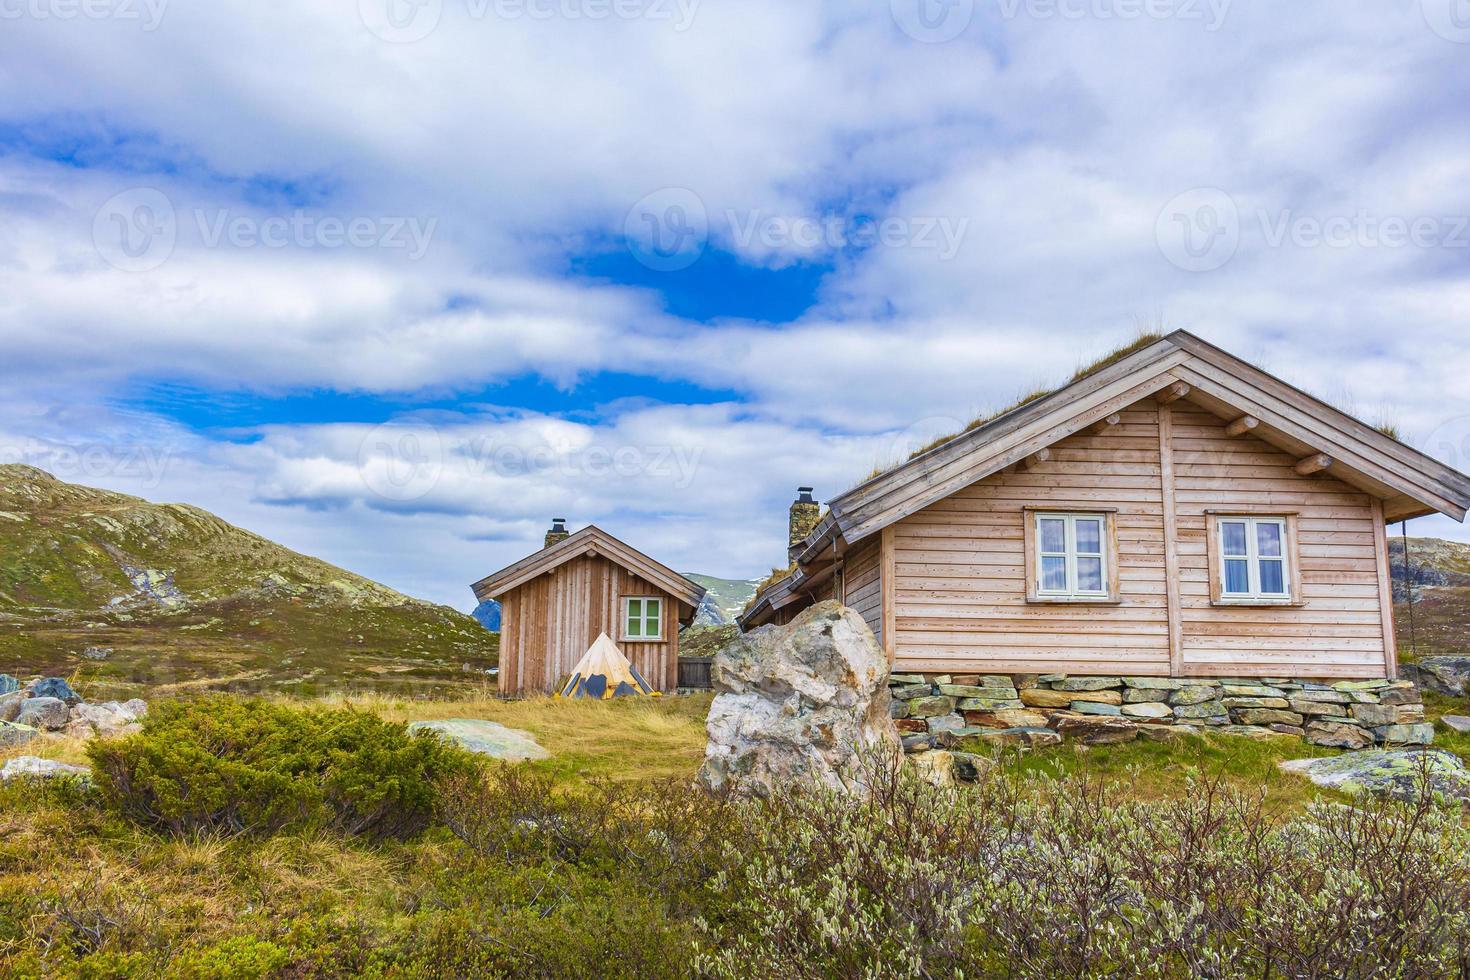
(251, 766)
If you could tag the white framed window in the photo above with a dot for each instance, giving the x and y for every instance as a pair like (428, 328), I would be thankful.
(643, 618)
(1072, 558)
(1254, 559)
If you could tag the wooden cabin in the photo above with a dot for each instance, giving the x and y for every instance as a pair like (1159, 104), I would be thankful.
(554, 603)
(1176, 513)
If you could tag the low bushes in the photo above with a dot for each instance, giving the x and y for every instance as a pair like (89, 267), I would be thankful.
(250, 766)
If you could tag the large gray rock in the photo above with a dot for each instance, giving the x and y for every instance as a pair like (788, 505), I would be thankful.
(799, 704)
(1400, 773)
(8, 684)
(55, 687)
(37, 768)
(50, 714)
(107, 718)
(12, 735)
(10, 705)
(486, 738)
(1447, 675)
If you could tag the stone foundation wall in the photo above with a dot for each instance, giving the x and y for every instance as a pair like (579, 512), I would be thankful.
(975, 712)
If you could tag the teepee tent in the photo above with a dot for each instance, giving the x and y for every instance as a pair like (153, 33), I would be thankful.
(603, 672)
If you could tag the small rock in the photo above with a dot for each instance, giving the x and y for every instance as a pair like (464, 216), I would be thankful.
(1377, 685)
(1023, 681)
(1252, 691)
(97, 653)
(989, 704)
(1400, 773)
(1249, 731)
(1041, 697)
(1148, 709)
(1457, 723)
(935, 768)
(1004, 718)
(911, 691)
(1405, 734)
(1096, 731)
(1088, 683)
(30, 765)
(1313, 694)
(1160, 733)
(945, 723)
(969, 766)
(1094, 708)
(898, 709)
(906, 680)
(1204, 709)
(1408, 714)
(911, 726)
(1319, 708)
(1155, 683)
(981, 740)
(917, 743)
(47, 713)
(1006, 693)
(55, 687)
(1267, 716)
(1401, 695)
(1338, 736)
(8, 684)
(1376, 714)
(1255, 702)
(931, 707)
(1194, 694)
(1296, 730)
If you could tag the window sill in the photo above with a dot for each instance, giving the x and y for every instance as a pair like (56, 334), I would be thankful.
(1066, 600)
(641, 639)
(1258, 603)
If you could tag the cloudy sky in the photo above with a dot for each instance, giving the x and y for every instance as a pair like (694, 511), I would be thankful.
(395, 281)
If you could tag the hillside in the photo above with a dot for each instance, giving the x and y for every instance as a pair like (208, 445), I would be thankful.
(723, 599)
(1440, 622)
(142, 596)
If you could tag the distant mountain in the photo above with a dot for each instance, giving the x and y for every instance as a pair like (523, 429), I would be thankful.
(724, 598)
(142, 596)
(1438, 623)
(487, 614)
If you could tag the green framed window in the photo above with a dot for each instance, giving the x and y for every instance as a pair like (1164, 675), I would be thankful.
(643, 618)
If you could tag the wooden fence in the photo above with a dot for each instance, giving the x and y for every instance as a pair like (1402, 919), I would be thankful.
(694, 673)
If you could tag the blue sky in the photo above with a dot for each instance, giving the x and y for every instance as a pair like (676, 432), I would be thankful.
(394, 284)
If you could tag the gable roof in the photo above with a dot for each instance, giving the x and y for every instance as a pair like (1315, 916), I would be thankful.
(1409, 482)
(591, 540)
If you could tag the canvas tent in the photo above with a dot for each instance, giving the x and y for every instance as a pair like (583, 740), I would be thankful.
(603, 672)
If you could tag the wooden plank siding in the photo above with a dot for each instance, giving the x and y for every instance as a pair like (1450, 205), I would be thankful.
(862, 583)
(549, 622)
(959, 590)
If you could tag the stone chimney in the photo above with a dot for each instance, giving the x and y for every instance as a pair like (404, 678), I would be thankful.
(804, 515)
(558, 532)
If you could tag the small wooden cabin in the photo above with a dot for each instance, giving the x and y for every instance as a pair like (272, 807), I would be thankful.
(554, 603)
(1175, 513)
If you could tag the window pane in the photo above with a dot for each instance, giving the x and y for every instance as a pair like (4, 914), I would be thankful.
(1053, 535)
(1089, 537)
(635, 608)
(1054, 574)
(1268, 540)
(1237, 577)
(1089, 575)
(1273, 578)
(653, 610)
(1232, 534)
(634, 626)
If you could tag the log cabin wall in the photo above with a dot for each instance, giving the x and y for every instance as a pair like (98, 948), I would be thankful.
(960, 590)
(548, 624)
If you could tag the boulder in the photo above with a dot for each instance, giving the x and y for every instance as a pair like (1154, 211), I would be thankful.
(1457, 723)
(1405, 734)
(1446, 675)
(37, 768)
(1401, 773)
(935, 768)
(55, 687)
(802, 703)
(107, 718)
(1401, 692)
(13, 735)
(1095, 730)
(485, 738)
(10, 705)
(1376, 714)
(47, 713)
(1338, 736)
(8, 684)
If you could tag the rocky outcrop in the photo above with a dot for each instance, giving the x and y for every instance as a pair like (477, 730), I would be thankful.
(800, 704)
(36, 768)
(1445, 675)
(48, 704)
(1401, 773)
